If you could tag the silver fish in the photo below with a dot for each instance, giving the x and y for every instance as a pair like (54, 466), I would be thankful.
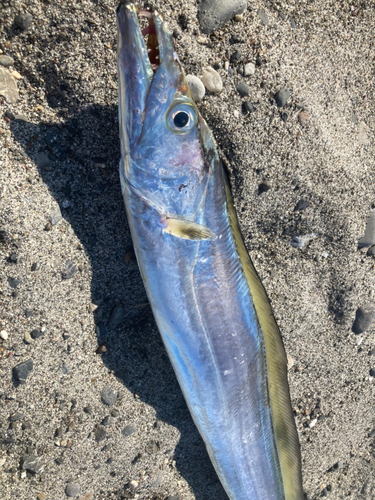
(209, 304)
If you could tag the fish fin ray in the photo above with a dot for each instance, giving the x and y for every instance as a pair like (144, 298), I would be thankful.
(188, 230)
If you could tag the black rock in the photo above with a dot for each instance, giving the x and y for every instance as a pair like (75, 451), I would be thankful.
(100, 434)
(24, 20)
(35, 334)
(364, 317)
(258, 61)
(14, 282)
(281, 97)
(369, 237)
(372, 372)
(59, 461)
(117, 316)
(243, 89)
(235, 57)
(23, 370)
(284, 116)
(301, 205)
(248, 107)
(371, 251)
(106, 420)
(263, 188)
(28, 313)
(214, 13)
(128, 430)
(88, 410)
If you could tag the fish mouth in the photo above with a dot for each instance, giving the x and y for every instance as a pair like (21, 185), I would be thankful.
(144, 49)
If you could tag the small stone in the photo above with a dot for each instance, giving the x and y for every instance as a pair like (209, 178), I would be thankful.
(212, 80)
(4, 335)
(108, 396)
(263, 16)
(301, 241)
(293, 24)
(371, 251)
(16, 416)
(23, 370)
(101, 349)
(173, 497)
(26, 426)
(243, 89)
(27, 338)
(372, 372)
(196, 87)
(24, 20)
(263, 188)
(42, 161)
(36, 334)
(133, 485)
(14, 282)
(55, 216)
(235, 57)
(281, 97)
(9, 114)
(64, 370)
(100, 434)
(212, 13)
(115, 413)
(128, 430)
(29, 313)
(42, 496)
(32, 464)
(72, 490)
(106, 421)
(8, 86)
(117, 317)
(59, 461)
(248, 107)
(259, 62)
(249, 69)
(301, 205)
(364, 318)
(69, 270)
(6, 60)
(48, 226)
(303, 118)
(177, 33)
(369, 238)
(88, 410)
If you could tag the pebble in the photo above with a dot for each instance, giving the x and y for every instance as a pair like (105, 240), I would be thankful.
(36, 334)
(243, 89)
(8, 86)
(55, 216)
(24, 20)
(14, 282)
(369, 238)
(100, 434)
(106, 420)
(42, 161)
(64, 370)
(32, 464)
(263, 16)
(212, 13)
(23, 370)
(371, 251)
(248, 107)
(16, 417)
(301, 205)
(69, 270)
(372, 372)
(27, 338)
(212, 80)
(42, 496)
(293, 24)
(128, 430)
(72, 490)
(303, 118)
(108, 396)
(263, 188)
(249, 69)
(302, 241)
(115, 413)
(4, 335)
(196, 87)
(364, 318)
(88, 410)
(281, 97)
(29, 313)
(117, 316)
(6, 60)
(235, 57)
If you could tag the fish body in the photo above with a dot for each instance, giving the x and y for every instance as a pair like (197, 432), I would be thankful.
(209, 304)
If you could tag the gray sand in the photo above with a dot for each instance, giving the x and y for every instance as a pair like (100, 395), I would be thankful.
(86, 282)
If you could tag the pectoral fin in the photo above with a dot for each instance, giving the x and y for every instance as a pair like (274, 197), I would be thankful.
(186, 229)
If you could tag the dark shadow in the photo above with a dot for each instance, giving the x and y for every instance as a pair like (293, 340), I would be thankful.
(78, 161)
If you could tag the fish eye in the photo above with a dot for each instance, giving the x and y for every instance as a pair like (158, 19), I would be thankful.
(181, 118)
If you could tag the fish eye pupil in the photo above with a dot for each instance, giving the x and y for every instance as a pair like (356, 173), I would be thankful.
(181, 119)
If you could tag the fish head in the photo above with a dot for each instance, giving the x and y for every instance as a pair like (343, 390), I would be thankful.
(167, 146)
